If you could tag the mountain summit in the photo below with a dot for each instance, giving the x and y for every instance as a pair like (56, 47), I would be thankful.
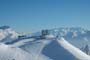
(45, 45)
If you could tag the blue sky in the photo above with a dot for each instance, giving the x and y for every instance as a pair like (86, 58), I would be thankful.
(34, 15)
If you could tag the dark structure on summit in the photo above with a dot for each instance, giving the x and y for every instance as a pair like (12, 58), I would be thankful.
(44, 33)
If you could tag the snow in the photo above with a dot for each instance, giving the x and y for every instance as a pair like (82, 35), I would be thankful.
(11, 31)
(8, 35)
(31, 49)
(2, 35)
(11, 53)
(73, 50)
(85, 39)
(50, 36)
(22, 42)
(74, 34)
(35, 48)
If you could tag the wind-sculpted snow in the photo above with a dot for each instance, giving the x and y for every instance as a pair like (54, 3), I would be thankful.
(35, 48)
(73, 50)
(12, 53)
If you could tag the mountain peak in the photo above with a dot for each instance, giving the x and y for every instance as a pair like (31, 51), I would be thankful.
(4, 27)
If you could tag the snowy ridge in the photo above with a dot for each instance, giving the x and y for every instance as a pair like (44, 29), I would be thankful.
(31, 47)
(75, 51)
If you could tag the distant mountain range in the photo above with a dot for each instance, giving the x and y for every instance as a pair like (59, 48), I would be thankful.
(44, 44)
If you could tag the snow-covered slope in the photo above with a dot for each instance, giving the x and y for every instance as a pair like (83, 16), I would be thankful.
(76, 36)
(73, 50)
(38, 46)
(12, 53)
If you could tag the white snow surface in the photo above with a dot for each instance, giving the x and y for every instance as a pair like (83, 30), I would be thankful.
(10, 53)
(8, 35)
(29, 49)
(20, 43)
(73, 50)
(7, 52)
(50, 36)
(35, 48)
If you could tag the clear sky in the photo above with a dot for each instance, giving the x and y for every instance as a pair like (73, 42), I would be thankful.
(34, 15)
